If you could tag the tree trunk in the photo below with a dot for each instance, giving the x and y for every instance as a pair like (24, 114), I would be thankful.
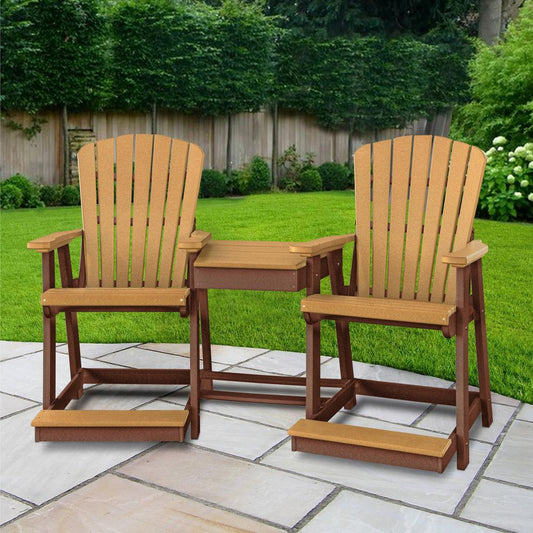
(490, 14)
(228, 147)
(274, 169)
(66, 150)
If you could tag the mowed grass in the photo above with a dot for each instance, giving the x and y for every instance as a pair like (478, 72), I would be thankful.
(273, 320)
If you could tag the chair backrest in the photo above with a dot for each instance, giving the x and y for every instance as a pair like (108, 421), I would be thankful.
(415, 200)
(137, 193)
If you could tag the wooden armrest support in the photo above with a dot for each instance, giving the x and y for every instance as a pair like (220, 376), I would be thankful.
(473, 251)
(321, 246)
(195, 241)
(54, 240)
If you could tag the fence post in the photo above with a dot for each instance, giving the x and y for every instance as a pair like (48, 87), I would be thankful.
(66, 151)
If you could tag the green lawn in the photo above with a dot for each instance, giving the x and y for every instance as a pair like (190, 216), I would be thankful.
(273, 320)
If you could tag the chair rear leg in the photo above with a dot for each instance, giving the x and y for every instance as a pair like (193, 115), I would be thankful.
(312, 381)
(345, 355)
(205, 384)
(195, 365)
(461, 368)
(73, 341)
(481, 345)
(49, 360)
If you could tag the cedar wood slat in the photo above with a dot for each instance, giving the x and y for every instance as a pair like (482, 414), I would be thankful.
(105, 158)
(124, 221)
(178, 161)
(86, 165)
(159, 178)
(362, 168)
(381, 160)
(417, 201)
(454, 190)
(143, 167)
(401, 166)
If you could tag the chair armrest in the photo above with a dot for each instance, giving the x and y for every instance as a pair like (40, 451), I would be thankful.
(195, 241)
(473, 251)
(54, 240)
(321, 245)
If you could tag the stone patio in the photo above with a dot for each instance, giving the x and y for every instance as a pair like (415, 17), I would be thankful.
(241, 475)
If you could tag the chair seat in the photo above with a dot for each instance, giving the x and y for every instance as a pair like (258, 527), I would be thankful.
(127, 297)
(379, 309)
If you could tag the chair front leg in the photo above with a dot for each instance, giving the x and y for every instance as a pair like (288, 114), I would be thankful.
(461, 366)
(206, 384)
(49, 334)
(312, 365)
(195, 364)
(481, 344)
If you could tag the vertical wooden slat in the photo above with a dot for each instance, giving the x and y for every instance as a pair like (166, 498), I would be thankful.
(362, 168)
(105, 157)
(160, 168)
(401, 167)
(417, 201)
(381, 174)
(143, 167)
(440, 158)
(474, 177)
(124, 181)
(454, 191)
(190, 198)
(87, 170)
(178, 162)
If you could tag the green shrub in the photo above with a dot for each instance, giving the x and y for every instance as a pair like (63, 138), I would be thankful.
(291, 165)
(259, 175)
(501, 88)
(507, 189)
(70, 195)
(310, 180)
(30, 191)
(10, 196)
(51, 194)
(335, 177)
(213, 184)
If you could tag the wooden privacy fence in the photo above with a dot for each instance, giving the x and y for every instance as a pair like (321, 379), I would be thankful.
(263, 133)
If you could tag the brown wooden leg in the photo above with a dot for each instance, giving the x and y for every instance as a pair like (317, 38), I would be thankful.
(206, 384)
(312, 382)
(481, 344)
(73, 341)
(49, 360)
(195, 365)
(461, 367)
(345, 355)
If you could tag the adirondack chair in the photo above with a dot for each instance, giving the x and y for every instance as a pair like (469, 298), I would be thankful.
(415, 200)
(139, 195)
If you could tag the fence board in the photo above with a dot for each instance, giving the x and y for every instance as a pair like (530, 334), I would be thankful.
(41, 157)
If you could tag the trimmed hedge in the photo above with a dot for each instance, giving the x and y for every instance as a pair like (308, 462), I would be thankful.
(335, 177)
(213, 184)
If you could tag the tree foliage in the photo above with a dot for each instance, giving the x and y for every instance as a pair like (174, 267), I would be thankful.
(501, 88)
(52, 54)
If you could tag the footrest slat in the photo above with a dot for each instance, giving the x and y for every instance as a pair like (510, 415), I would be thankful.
(75, 425)
(371, 438)
(374, 445)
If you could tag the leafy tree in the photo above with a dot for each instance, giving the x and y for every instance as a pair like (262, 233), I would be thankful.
(52, 54)
(501, 88)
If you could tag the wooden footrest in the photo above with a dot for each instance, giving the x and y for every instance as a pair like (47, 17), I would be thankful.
(374, 445)
(60, 425)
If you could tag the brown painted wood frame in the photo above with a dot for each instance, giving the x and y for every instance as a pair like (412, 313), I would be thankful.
(308, 278)
(81, 376)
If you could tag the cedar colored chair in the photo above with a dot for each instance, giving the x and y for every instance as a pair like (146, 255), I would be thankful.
(138, 195)
(415, 200)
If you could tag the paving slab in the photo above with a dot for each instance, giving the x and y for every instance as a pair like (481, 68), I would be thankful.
(11, 508)
(112, 504)
(513, 461)
(9, 349)
(92, 351)
(438, 492)
(38, 471)
(11, 404)
(280, 497)
(526, 412)
(501, 505)
(356, 512)
(279, 362)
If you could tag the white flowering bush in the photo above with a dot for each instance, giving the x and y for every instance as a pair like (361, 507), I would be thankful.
(507, 189)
